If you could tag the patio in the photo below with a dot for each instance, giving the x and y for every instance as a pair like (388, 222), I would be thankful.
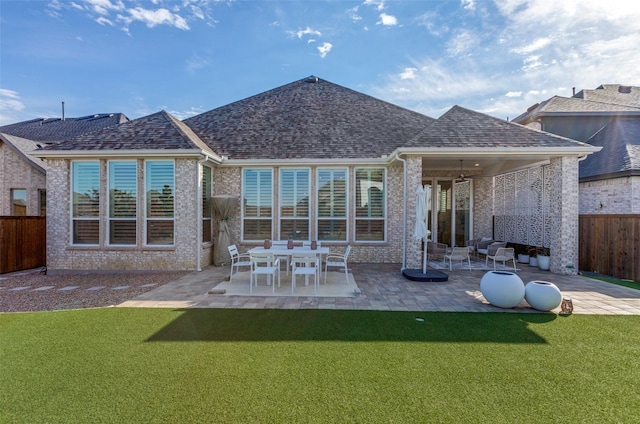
(384, 288)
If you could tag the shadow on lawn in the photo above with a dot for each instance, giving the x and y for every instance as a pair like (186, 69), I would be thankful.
(220, 325)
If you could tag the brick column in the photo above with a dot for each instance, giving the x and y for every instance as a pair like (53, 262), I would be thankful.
(563, 219)
(414, 179)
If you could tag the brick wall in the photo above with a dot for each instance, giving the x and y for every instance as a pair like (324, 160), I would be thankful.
(611, 196)
(183, 256)
(18, 173)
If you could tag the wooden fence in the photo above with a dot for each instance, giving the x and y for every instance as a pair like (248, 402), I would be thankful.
(23, 242)
(610, 245)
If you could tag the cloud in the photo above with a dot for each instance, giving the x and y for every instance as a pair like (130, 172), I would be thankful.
(324, 49)
(408, 73)
(303, 32)
(10, 103)
(196, 62)
(376, 4)
(528, 49)
(124, 13)
(387, 20)
(152, 18)
(468, 4)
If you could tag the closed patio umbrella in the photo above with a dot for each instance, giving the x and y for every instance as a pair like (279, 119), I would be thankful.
(421, 232)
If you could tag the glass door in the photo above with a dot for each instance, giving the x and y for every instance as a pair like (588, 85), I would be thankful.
(444, 221)
(462, 212)
(449, 211)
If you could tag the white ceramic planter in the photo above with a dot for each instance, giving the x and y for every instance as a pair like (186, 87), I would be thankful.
(523, 259)
(502, 289)
(544, 262)
(542, 295)
(533, 261)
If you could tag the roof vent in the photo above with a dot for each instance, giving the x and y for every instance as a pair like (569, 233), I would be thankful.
(625, 89)
(312, 79)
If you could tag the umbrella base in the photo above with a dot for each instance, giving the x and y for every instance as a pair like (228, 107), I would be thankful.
(428, 277)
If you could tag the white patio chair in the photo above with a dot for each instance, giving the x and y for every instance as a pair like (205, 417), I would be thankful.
(306, 264)
(237, 260)
(264, 263)
(338, 261)
(281, 244)
(503, 254)
(457, 254)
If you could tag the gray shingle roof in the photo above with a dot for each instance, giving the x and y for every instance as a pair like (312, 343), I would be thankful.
(460, 127)
(620, 154)
(613, 94)
(309, 118)
(153, 132)
(569, 105)
(53, 130)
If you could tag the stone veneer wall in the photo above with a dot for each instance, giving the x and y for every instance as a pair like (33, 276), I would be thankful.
(611, 196)
(18, 173)
(63, 257)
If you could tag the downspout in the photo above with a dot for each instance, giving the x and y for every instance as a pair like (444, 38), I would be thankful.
(199, 215)
(404, 212)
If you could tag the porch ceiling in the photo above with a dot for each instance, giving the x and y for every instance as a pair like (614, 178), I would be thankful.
(480, 166)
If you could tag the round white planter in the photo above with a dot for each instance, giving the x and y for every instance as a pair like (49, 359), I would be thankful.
(542, 295)
(544, 262)
(502, 289)
(533, 261)
(523, 259)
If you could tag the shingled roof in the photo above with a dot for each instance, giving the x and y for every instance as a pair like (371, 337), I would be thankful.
(159, 131)
(55, 130)
(620, 154)
(574, 105)
(309, 118)
(613, 94)
(460, 127)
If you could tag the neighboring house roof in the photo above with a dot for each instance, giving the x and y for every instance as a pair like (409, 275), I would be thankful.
(159, 131)
(310, 118)
(558, 105)
(464, 128)
(613, 94)
(24, 148)
(53, 130)
(620, 154)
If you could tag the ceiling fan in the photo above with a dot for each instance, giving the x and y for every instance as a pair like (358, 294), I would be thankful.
(461, 178)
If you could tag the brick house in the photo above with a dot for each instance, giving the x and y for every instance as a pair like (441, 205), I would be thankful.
(307, 160)
(22, 175)
(609, 117)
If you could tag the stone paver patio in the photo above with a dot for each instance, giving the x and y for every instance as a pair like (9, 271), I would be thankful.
(384, 288)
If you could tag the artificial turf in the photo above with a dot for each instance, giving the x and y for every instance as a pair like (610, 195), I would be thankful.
(219, 365)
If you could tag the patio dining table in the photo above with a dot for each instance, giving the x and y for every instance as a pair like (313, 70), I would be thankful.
(283, 250)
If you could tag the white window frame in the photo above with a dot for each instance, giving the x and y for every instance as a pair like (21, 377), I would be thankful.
(148, 219)
(242, 208)
(72, 218)
(384, 218)
(294, 217)
(134, 218)
(207, 183)
(318, 218)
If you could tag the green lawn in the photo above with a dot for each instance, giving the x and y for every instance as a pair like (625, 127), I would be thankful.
(202, 365)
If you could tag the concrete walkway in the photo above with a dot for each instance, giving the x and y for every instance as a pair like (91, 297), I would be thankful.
(384, 288)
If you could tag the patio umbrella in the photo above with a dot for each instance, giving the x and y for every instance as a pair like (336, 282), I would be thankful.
(420, 232)
(222, 206)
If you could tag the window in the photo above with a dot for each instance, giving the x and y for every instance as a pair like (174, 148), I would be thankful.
(206, 204)
(123, 197)
(42, 195)
(85, 199)
(332, 204)
(370, 204)
(18, 202)
(294, 204)
(257, 204)
(160, 195)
